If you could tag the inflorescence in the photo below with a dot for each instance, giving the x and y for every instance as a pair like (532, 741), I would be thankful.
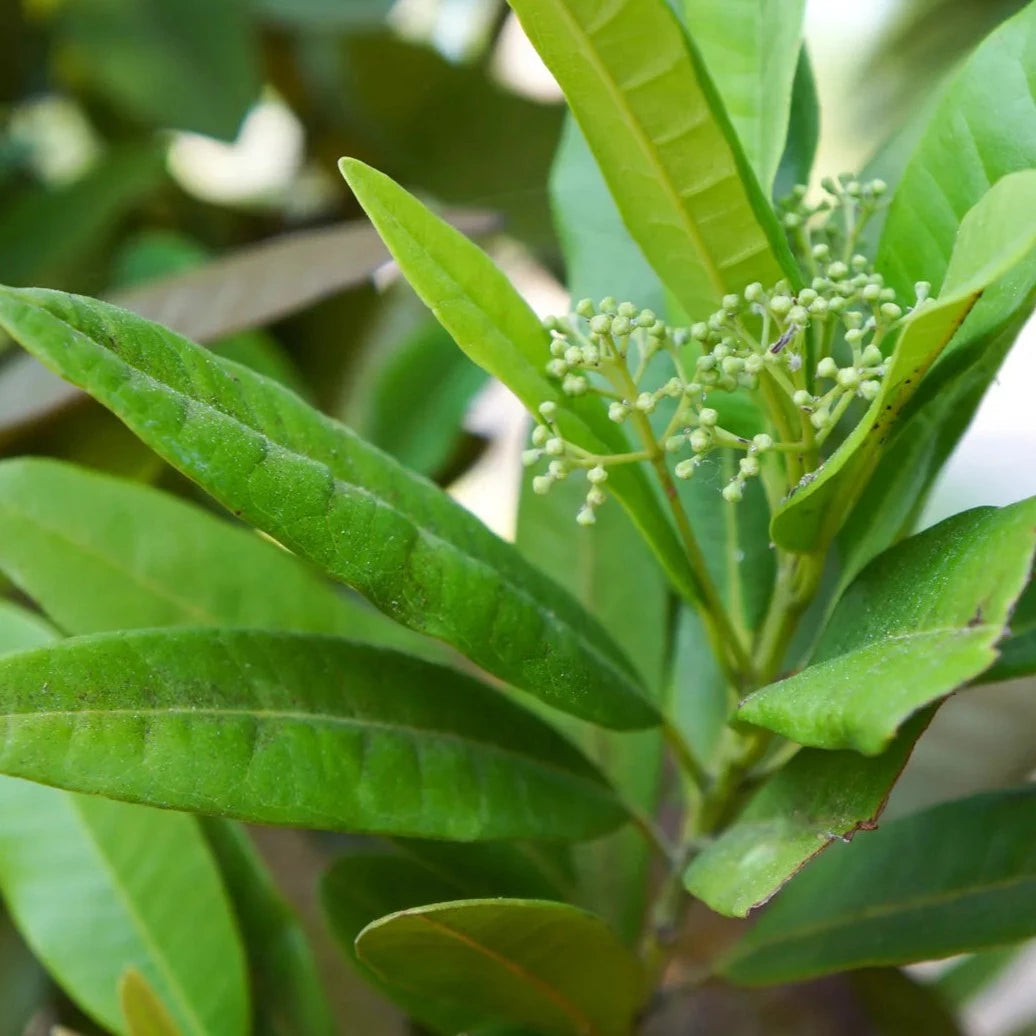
(803, 356)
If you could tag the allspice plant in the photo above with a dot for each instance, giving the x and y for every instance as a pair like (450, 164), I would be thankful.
(705, 662)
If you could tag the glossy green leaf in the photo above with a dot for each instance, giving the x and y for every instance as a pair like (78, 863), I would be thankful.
(329, 733)
(100, 553)
(509, 960)
(811, 802)
(183, 64)
(800, 146)
(956, 878)
(329, 496)
(651, 115)
(21, 629)
(143, 1011)
(494, 325)
(968, 146)
(921, 620)
(752, 50)
(96, 886)
(287, 993)
(999, 232)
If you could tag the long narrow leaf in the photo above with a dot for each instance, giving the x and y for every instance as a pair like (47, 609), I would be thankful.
(652, 117)
(293, 729)
(325, 493)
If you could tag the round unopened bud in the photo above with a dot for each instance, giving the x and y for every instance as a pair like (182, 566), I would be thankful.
(621, 326)
(574, 385)
(780, 305)
(822, 253)
(722, 351)
(820, 419)
(921, 290)
(734, 491)
(608, 305)
(733, 365)
(707, 417)
(871, 292)
(802, 398)
(837, 270)
(754, 292)
(586, 516)
(871, 356)
(618, 412)
(554, 447)
(836, 304)
(627, 310)
(700, 440)
(891, 311)
(731, 303)
(749, 466)
(762, 442)
(798, 315)
(699, 331)
(540, 434)
(859, 262)
(585, 308)
(706, 362)
(558, 347)
(827, 368)
(869, 390)
(877, 187)
(552, 324)
(684, 469)
(591, 356)
(673, 388)
(647, 318)
(645, 402)
(557, 368)
(674, 443)
(754, 364)
(854, 335)
(849, 378)
(807, 296)
(574, 355)
(558, 470)
(601, 324)
(818, 307)
(541, 484)
(595, 497)
(657, 329)
(548, 410)
(717, 321)
(727, 382)
(529, 457)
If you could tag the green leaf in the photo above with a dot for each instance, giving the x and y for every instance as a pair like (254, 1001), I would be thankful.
(967, 147)
(99, 553)
(494, 325)
(921, 620)
(288, 995)
(521, 961)
(329, 496)
(144, 1012)
(329, 734)
(752, 50)
(995, 235)
(182, 64)
(817, 798)
(23, 982)
(954, 879)
(21, 629)
(650, 113)
(97, 886)
(1018, 651)
(800, 147)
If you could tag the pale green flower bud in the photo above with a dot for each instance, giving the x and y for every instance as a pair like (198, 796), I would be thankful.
(748, 381)
(700, 331)
(869, 390)
(891, 311)
(540, 434)
(827, 368)
(854, 336)
(693, 388)
(645, 402)
(548, 410)
(706, 362)
(621, 326)
(749, 466)
(754, 292)
(673, 388)
(762, 442)
(754, 363)
(601, 324)
(859, 262)
(837, 270)
(818, 307)
(731, 303)
(733, 492)
(558, 470)
(647, 318)
(802, 398)
(585, 308)
(837, 304)
(707, 417)
(529, 457)
(627, 310)
(674, 443)
(807, 296)
(821, 253)
(780, 305)
(849, 378)
(541, 484)
(574, 385)
(820, 419)
(618, 412)
(700, 440)
(871, 356)
(557, 368)
(888, 295)
(586, 516)
(595, 497)
(921, 289)
(878, 187)
(554, 447)
(591, 356)
(871, 293)
(597, 475)
(608, 305)
(574, 355)
(685, 469)
(798, 315)
(733, 365)
(657, 329)
(558, 347)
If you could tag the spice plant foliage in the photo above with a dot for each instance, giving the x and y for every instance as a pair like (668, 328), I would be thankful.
(748, 645)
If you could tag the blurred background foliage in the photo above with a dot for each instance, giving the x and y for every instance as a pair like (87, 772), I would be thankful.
(152, 150)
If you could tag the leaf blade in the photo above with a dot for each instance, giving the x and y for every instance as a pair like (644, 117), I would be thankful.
(501, 977)
(704, 226)
(331, 734)
(352, 510)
